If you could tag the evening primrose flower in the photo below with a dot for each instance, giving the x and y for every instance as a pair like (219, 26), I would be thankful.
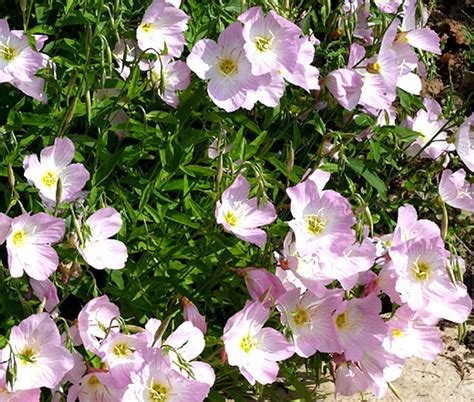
(242, 216)
(162, 29)
(41, 360)
(465, 142)
(98, 250)
(54, 167)
(96, 386)
(226, 67)
(456, 191)
(29, 239)
(253, 349)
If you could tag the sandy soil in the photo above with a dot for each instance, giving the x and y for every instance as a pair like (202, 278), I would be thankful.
(449, 378)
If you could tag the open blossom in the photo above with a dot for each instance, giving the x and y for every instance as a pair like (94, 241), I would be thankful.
(162, 28)
(322, 220)
(242, 216)
(456, 191)
(409, 336)
(359, 326)
(96, 319)
(157, 381)
(431, 142)
(465, 142)
(29, 239)
(53, 166)
(226, 67)
(310, 320)
(41, 360)
(253, 349)
(388, 6)
(98, 250)
(19, 62)
(346, 86)
(168, 77)
(96, 386)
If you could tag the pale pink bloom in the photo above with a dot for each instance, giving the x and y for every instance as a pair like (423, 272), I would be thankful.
(226, 67)
(422, 277)
(465, 142)
(214, 151)
(125, 52)
(122, 354)
(388, 6)
(96, 319)
(271, 42)
(283, 270)
(322, 219)
(98, 250)
(430, 127)
(41, 360)
(309, 319)
(359, 326)
(349, 6)
(362, 29)
(409, 336)
(47, 292)
(162, 28)
(158, 381)
(7, 395)
(175, 76)
(346, 86)
(261, 282)
(269, 91)
(253, 349)
(386, 117)
(456, 191)
(191, 313)
(242, 216)
(387, 282)
(350, 379)
(18, 61)
(29, 239)
(53, 166)
(96, 386)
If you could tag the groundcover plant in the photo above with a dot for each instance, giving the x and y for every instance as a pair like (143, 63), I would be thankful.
(226, 199)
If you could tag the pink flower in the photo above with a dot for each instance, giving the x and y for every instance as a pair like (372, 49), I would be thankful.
(429, 126)
(322, 219)
(456, 191)
(96, 319)
(18, 61)
(261, 283)
(359, 326)
(96, 386)
(409, 336)
(29, 239)
(346, 86)
(125, 52)
(54, 166)
(175, 76)
(226, 67)
(158, 381)
(388, 6)
(271, 42)
(465, 142)
(242, 216)
(309, 319)
(191, 313)
(162, 28)
(45, 291)
(253, 349)
(41, 360)
(98, 250)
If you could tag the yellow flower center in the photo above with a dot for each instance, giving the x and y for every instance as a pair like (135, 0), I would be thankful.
(300, 316)
(27, 356)
(401, 37)
(50, 178)
(93, 381)
(341, 320)
(421, 270)
(231, 218)
(146, 27)
(7, 53)
(120, 350)
(19, 238)
(157, 392)
(263, 44)
(397, 333)
(374, 68)
(248, 343)
(315, 224)
(227, 66)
